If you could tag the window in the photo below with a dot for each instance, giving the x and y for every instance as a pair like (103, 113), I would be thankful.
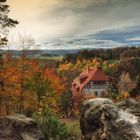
(96, 93)
(103, 94)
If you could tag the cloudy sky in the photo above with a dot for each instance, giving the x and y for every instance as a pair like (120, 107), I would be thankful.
(73, 24)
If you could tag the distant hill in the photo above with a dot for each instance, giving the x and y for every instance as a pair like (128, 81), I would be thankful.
(41, 52)
(82, 53)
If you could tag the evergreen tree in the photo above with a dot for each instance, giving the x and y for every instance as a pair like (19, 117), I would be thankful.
(136, 91)
(113, 82)
(5, 22)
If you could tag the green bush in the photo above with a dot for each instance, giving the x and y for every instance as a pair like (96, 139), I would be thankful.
(136, 91)
(51, 126)
(66, 102)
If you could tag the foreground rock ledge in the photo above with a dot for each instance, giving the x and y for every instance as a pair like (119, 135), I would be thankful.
(19, 127)
(101, 119)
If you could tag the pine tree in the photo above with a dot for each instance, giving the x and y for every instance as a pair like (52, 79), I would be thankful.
(5, 22)
(113, 82)
(136, 91)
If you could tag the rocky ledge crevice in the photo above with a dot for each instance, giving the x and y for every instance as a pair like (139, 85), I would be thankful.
(101, 119)
(19, 127)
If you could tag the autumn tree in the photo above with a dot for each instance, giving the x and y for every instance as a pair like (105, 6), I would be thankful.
(16, 72)
(48, 88)
(45, 83)
(24, 43)
(12, 78)
(1, 71)
(40, 84)
(125, 84)
(5, 24)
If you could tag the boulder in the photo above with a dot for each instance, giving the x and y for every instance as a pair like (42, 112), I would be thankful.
(19, 127)
(101, 119)
(131, 106)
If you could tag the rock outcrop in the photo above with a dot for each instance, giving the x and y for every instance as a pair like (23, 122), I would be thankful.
(19, 127)
(101, 119)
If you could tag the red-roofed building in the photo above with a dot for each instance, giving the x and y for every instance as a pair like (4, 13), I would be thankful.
(91, 82)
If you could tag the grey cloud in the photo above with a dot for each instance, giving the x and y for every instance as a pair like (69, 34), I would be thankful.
(50, 20)
(103, 39)
(89, 15)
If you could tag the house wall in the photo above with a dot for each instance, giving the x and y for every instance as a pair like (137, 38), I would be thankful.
(94, 92)
(92, 89)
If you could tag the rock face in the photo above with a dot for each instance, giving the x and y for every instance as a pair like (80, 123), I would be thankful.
(101, 119)
(19, 127)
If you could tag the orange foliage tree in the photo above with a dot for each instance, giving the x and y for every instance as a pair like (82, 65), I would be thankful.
(24, 80)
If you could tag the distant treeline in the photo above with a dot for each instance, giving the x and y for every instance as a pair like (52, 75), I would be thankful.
(27, 53)
(105, 54)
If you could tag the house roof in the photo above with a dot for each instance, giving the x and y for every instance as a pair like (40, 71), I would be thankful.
(82, 80)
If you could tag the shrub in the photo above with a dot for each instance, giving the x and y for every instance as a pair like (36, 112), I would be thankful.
(66, 103)
(51, 125)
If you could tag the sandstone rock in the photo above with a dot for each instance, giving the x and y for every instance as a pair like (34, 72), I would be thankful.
(131, 106)
(101, 119)
(19, 127)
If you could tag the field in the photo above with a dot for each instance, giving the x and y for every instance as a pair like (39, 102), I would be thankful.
(73, 126)
(51, 61)
(54, 58)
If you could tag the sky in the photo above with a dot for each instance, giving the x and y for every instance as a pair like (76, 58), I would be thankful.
(78, 24)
